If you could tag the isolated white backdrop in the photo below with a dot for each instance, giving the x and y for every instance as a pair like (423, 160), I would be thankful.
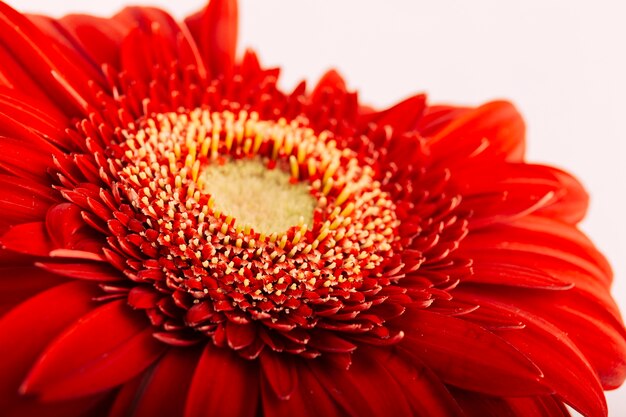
(563, 62)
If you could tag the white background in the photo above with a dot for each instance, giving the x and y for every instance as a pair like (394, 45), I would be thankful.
(562, 62)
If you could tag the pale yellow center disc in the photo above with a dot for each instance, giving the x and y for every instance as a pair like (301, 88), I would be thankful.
(257, 196)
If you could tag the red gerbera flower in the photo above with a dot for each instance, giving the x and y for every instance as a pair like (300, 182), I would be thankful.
(182, 238)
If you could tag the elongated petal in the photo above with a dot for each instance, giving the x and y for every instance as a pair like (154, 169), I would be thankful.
(493, 131)
(475, 405)
(566, 370)
(281, 373)
(30, 327)
(224, 384)
(161, 390)
(62, 79)
(101, 350)
(427, 395)
(402, 117)
(468, 356)
(215, 31)
(311, 399)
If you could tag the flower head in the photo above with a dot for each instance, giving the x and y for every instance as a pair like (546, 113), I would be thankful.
(180, 237)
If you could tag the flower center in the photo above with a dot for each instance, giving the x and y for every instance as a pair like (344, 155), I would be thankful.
(265, 200)
(248, 221)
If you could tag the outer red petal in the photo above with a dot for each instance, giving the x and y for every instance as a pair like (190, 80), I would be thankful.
(27, 330)
(215, 32)
(494, 131)
(366, 389)
(223, 385)
(567, 371)
(476, 405)
(510, 190)
(19, 283)
(311, 399)
(61, 79)
(402, 117)
(438, 117)
(101, 350)
(98, 37)
(423, 389)
(281, 373)
(468, 356)
(162, 390)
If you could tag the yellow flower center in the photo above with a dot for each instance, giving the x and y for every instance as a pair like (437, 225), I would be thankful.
(265, 200)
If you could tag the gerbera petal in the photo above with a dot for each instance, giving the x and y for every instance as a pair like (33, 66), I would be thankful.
(583, 319)
(438, 117)
(99, 37)
(48, 67)
(161, 390)
(556, 248)
(33, 121)
(566, 370)
(99, 272)
(174, 40)
(223, 385)
(49, 313)
(427, 395)
(468, 356)
(28, 238)
(13, 76)
(520, 189)
(281, 373)
(73, 52)
(103, 349)
(215, 32)
(402, 117)
(476, 405)
(18, 283)
(331, 83)
(494, 131)
(311, 399)
(23, 200)
(23, 160)
(358, 389)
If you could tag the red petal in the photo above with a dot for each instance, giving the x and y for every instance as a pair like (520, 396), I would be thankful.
(161, 391)
(511, 274)
(101, 350)
(582, 318)
(436, 118)
(19, 283)
(69, 49)
(27, 329)
(62, 79)
(280, 372)
(100, 38)
(223, 385)
(311, 399)
(402, 117)
(497, 122)
(565, 368)
(22, 200)
(23, 160)
(366, 389)
(330, 82)
(240, 336)
(427, 395)
(520, 182)
(477, 405)
(28, 238)
(215, 32)
(468, 356)
(88, 271)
